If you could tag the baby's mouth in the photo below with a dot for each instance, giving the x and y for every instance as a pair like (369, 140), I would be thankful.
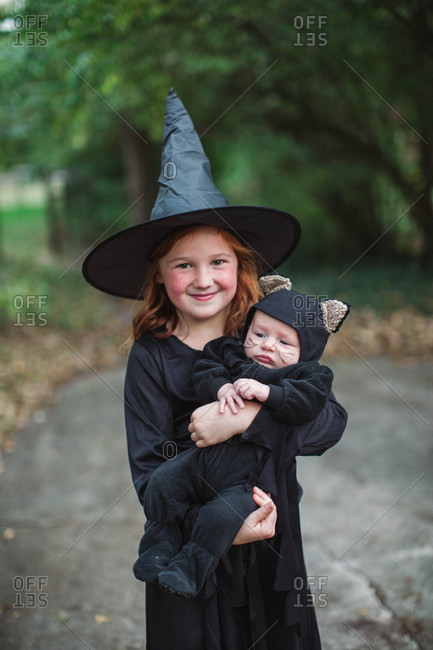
(264, 358)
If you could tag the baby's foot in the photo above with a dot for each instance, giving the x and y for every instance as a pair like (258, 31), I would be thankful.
(152, 561)
(186, 574)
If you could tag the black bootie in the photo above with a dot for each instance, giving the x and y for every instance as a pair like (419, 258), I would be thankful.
(186, 574)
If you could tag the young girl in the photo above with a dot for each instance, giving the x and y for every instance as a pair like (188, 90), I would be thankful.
(202, 271)
(201, 257)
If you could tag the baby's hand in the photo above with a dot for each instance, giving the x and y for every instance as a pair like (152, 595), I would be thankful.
(251, 389)
(228, 395)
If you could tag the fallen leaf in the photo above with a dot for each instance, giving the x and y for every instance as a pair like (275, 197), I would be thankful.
(99, 618)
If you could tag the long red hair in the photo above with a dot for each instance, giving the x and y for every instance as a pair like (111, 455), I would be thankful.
(158, 311)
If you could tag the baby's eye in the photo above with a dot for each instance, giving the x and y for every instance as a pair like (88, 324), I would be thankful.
(283, 342)
(260, 335)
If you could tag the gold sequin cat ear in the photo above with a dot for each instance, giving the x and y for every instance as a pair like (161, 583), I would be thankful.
(270, 283)
(334, 312)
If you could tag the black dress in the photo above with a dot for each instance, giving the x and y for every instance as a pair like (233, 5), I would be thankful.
(250, 598)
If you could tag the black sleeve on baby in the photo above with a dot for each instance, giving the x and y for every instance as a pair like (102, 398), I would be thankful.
(217, 366)
(300, 397)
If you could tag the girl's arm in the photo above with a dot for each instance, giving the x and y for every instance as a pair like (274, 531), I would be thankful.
(209, 427)
(322, 433)
(148, 415)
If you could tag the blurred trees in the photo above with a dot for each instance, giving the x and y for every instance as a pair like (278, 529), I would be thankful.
(320, 110)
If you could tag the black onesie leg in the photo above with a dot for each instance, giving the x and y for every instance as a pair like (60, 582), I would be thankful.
(159, 544)
(215, 528)
(171, 489)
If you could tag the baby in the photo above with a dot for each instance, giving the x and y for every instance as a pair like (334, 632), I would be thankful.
(277, 364)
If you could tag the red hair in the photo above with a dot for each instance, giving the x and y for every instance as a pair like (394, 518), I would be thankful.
(158, 310)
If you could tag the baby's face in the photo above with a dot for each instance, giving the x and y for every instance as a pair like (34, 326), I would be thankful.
(271, 343)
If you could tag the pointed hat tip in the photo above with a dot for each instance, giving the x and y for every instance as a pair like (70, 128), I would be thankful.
(172, 92)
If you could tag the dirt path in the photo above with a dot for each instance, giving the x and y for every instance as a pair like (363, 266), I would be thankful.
(71, 521)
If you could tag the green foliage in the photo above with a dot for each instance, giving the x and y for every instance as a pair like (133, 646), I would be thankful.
(382, 287)
(43, 294)
(94, 193)
(35, 287)
(337, 134)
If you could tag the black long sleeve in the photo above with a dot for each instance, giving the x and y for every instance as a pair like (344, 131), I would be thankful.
(301, 397)
(298, 392)
(220, 362)
(322, 433)
(159, 399)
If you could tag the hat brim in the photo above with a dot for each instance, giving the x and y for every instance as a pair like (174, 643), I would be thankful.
(118, 265)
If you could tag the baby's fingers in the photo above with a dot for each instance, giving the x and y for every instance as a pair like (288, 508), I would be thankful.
(239, 401)
(231, 403)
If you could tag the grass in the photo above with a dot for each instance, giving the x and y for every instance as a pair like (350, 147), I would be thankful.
(30, 271)
(23, 229)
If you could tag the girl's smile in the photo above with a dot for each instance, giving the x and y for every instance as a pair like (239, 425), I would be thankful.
(202, 296)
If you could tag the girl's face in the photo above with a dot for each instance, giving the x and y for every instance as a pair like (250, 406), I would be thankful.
(200, 275)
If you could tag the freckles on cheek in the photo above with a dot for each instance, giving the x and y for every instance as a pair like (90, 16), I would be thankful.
(175, 286)
(229, 283)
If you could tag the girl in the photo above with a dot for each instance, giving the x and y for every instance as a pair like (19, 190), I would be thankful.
(202, 259)
(205, 279)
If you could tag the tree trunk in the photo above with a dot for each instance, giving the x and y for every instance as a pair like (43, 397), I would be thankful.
(422, 211)
(422, 214)
(141, 167)
(357, 215)
(2, 250)
(55, 224)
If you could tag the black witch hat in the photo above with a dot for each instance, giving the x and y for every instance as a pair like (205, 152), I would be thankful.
(187, 196)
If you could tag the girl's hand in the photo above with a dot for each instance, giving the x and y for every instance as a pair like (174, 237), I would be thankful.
(228, 396)
(251, 389)
(261, 523)
(209, 427)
